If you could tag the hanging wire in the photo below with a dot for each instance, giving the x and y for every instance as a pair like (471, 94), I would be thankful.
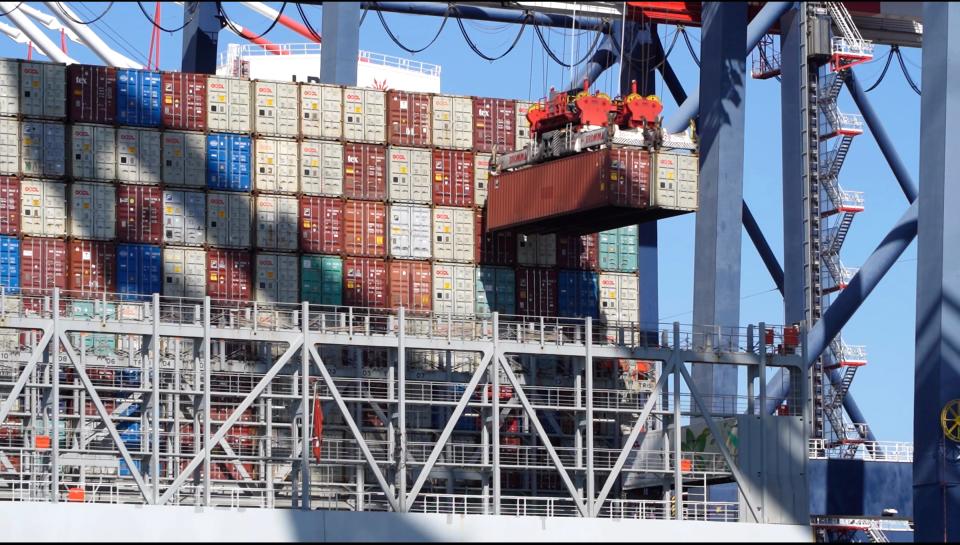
(530, 79)
(396, 40)
(623, 34)
(15, 8)
(553, 56)
(117, 38)
(906, 74)
(686, 39)
(474, 47)
(306, 21)
(229, 23)
(169, 30)
(75, 20)
(883, 72)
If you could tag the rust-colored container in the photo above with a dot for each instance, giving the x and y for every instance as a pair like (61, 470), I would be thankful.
(9, 205)
(494, 124)
(536, 291)
(229, 274)
(365, 172)
(583, 193)
(494, 248)
(365, 229)
(184, 101)
(92, 267)
(410, 286)
(452, 178)
(364, 282)
(91, 92)
(43, 265)
(321, 225)
(139, 214)
(408, 119)
(581, 252)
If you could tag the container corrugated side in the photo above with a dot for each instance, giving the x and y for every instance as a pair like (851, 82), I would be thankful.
(364, 172)
(10, 265)
(184, 272)
(523, 136)
(453, 178)
(536, 291)
(276, 165)
(229, 162)
(496, 290)
(184, 218)
(140, 214)
(365, 229)
(579, 252)
(409, 173)
(410, 285)
(276, 222)
(453, 236)
(454, 289)
(321, 279)
(93, 211)
(578, 294)
(481, 178)
(321, 168)
(138, 156)
(43, 87)
(184, 159)
(184, 101)
(618, 249)
(364, 115)
(229, 216)
(9, 87)
(619, 298)
(9, 146)
(91, 92)
(321, 225)
(43, 265)
(43, 208)
(321, 111)
(675, 181)
(139, 270)
(494, 124)
(43, 149)
(92, 267)
(539, 250)
(277, 280)
(494, 247)
(365, 282)
(408, 118)
(138, 98)
(9, 205)
(93, 153)
(409, 231)
(229, 105)
(277, 109)
(452, 122)
(229, 274)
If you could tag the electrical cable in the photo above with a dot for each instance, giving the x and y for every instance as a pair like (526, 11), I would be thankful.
(306, 22)
(553, 56)
(907, 74)
(883, 72)
(15, 8)
(168, 30)
(229, 23)
(474, 47)
(79, 22)
(117, 38)
(396, 40)
(689, 45)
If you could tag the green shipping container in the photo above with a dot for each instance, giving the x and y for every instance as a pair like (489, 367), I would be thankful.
(321, 279)
(93, 343)
(496, 291)
(618, 249)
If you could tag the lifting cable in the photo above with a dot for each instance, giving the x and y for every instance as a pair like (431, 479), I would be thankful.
(306, 21)
(79, 22)
(237, 31)
(168, 30)
(15, 8)
(474, 47)
(689, 45)
(906, 74)
(552, 55)
(883, 73)
(396, 40)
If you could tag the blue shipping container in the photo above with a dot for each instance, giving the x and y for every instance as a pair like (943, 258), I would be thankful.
(496, 291)
(228, 162)
(578, 294)
(139, 271)
(138, 98)
(130, 435)
(10, 264)
(125, 471)
(618, 249)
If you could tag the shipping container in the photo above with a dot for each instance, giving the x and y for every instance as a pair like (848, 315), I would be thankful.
(276, 165)
(365, 282)
(536, 291)
(321, 111)
(184, 272)
(43, 208)
(228, 105)
(138, 98)
(453, 178)
(410, 231)
(229, 274)
(10, 265)
(675, 181)
(9, 146)
(454, 289)
(277, 110)
(364, 172)
(494, 124)
(321, 225)
(410, 285)
(409, 172)
(184, 218)
(618, 249)
(364, 115)
(43, 265)
(139, 270)
(9, 87)
(578, 252)
(184, 101)
(494, 247)
(276, 276)
(92, 93)
(321, 168)
(453, 234)
(138, 156)
(140, 214)
(43, 90)
(408, 118)
(93, 211)
(452, 122)
(9, 205)
(277, 219)
(228, 162)
(321, 279)
(228, 220)
(42, 150)
(578, 294)
(619, 298)
(496, 290)
(184, 158)
(365, 229)
(524, 136)
(94, 153)
(539, 250)
(92, 267)
(481, 178)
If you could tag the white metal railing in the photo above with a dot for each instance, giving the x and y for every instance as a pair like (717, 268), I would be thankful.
(874, 451)
(237, 52)
(837, 121)
(840, 45)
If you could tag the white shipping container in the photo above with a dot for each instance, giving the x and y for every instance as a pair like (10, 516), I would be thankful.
(364, 115)
(688, 182)
(93, 211)
(619, 294)
(184, 272)
(452, 122)
(43, 208)
(94, 152)
(454, 288)
(277, 279)
(43, 87)
(481, 177)
(409, 231)
(184, 158)
(276, 165)
(228, 104)
(9, 87)
(524, 136)
(453, 234)
(410, 173)
(228, 220)
(43, 149)
(184, 217)
(277, 219)
(277, 108)
(138, 156)
(321, 111)
(321, 168)
(9, 146)
(537, 250)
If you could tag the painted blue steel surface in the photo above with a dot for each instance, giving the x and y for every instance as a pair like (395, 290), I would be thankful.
(492, 14)
(138, 98)
(853, 488)
(763, 247)
(125, 469)
(200, 37)
(578, 294)
(496, 290)
(228, 162)
(129, 376)
(130, 435)
(139, 270)
(10, 264)
(341, 43)
(618, 249)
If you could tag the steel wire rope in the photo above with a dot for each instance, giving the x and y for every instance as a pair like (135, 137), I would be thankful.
(229, 23)
(15, 8)
(167, 30)
(907, 74)
(553, 55)
(116, 37)
(474, 47)
(883, 73)
(306, 21)
(686, 39)
(396, 40)
(79, 22)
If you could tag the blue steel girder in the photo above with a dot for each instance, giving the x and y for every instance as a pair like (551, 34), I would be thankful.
(200, 37)
(341, 43)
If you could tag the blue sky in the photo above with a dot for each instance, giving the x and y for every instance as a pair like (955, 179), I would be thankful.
(885, 323)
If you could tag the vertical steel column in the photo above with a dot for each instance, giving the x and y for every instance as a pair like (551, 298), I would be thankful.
(588, 371)
(677, 441)
(155, 405)
(305, 395)
(495, 412)
(341, 43)
(716, 280)
(200, 37)
(402, 408)
(936, 466)
(207, 447)
(55, 401)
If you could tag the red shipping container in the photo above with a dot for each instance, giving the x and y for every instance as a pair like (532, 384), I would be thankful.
(43, 265)
(494, 124)
(581, 252)
(9, 205)
(364, 282)
(410, 286)
(496, 248)
(365, 229)
(229, 274)
(408, 118)
(452, 178)
(321, 225)
(91, 92)
(583, 193)
(139, 214)
(92, 267)
(184, 101)
(536, 292)
(365, 172)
